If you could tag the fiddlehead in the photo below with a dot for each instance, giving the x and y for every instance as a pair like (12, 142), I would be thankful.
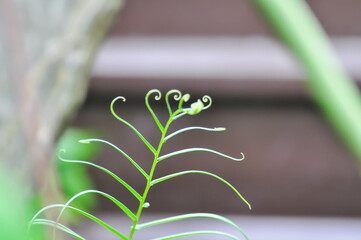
(195, 107)
(207, 99)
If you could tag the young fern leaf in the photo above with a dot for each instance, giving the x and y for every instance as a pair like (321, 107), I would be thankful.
(200, 172)
(58, 226)
(186, 234)
(121, 181)
(180, 112)
(130, 125)
(157, 97)
(177, 97)
(199, 150)
(113, 199)
(86, 141)
(183, 99)
(207, 99)
(216, 129)
(85, 214)
(188, 216)
(194, 108)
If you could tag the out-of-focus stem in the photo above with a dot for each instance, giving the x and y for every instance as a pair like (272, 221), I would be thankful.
(334, 91)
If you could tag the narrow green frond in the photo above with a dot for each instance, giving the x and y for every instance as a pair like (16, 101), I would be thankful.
(177, 97)
(200, 172)
(184, 99)
(186, 234)
(119, 150)
(121, 181)
(188, 216)
(85, 214)
(157, 97)
(130, 125)
(180, 112)
(216, 129)
(188, 150)
(176, 116)
(41, 211)
(113, 199)
(58, 226)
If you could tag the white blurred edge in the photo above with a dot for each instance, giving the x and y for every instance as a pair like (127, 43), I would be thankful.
(232, 58)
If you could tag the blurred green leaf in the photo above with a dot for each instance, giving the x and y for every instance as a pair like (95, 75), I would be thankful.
(15, 208)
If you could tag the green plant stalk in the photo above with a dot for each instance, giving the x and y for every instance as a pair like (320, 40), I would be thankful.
(334, 91)
(194, 108)
(150, 177)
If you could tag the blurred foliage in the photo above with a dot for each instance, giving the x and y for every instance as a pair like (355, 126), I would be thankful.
(16, 209)
(74, 178)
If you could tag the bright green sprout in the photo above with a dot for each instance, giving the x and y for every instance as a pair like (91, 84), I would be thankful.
(195, 108)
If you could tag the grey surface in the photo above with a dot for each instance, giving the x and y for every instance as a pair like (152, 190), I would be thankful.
(256, 227)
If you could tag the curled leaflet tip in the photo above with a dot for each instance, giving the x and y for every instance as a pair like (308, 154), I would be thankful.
(177, 94)
(119, 97)
(186, 97)
(157, 97)
(62, 150)
(207, 99)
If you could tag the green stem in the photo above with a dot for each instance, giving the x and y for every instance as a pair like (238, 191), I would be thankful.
(334, 91)
(150, 177)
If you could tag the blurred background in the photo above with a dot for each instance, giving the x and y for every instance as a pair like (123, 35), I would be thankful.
(298, 175)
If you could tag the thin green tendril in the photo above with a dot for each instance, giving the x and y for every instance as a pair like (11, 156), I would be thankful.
(157, 97)
(177, 97)
(128, 124)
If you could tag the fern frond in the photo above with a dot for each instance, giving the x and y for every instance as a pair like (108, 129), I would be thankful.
(155, 181)
(119, 150)
(85, 214)
(130, 125)
(188, 150)
(189, 216)
(121, 181)
(157, 97)
(177, 97)
(58, 226)
(187, 234)
(216, 129)
(126, 210)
